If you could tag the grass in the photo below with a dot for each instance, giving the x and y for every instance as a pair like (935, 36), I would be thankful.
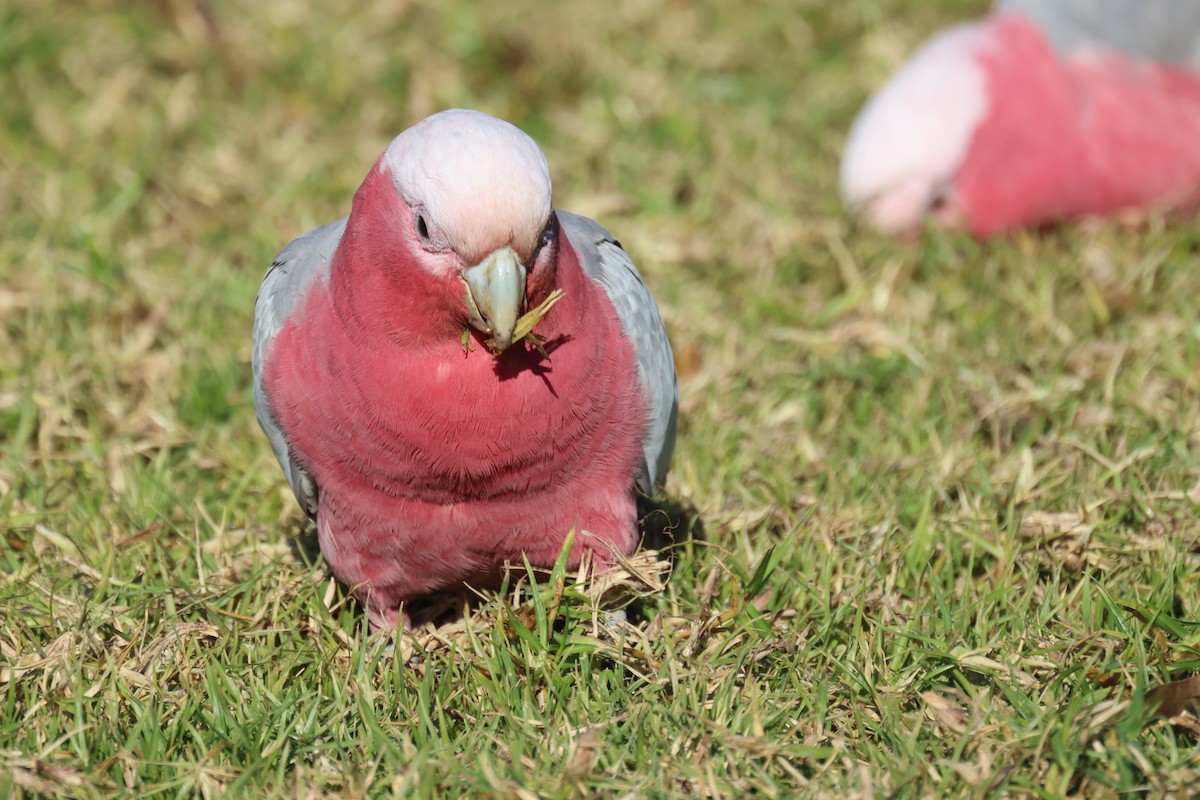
(949, 489)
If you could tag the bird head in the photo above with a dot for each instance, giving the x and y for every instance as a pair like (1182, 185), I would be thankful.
(910, 138)
(457, 215)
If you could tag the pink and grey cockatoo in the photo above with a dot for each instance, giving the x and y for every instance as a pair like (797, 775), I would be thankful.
(1044, 110)
(428, 445)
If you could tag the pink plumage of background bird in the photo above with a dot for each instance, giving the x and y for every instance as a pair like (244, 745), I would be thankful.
(1044, 110)
(428, 445)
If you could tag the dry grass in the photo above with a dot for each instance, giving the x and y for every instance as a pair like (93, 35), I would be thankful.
(948, 490)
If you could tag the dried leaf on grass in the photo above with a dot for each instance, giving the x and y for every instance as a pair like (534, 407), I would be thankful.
(946, 712)
(979, 773)
(165, 650)
(977, 662)
(583, 753)
(1065, 536)
(1186, 721)
(1092, 720)
(56, 654)
(1175, 698)
(1054, 525)
(44, 777)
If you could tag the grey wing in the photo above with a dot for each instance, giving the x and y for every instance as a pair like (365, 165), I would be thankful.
(605, 261)
(1161, 30)
(293, 272)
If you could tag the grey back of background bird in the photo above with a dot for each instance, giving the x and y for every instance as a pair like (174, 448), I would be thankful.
(1162, 30)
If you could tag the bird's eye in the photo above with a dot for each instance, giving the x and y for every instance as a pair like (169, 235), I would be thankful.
(543, 240)
(422, 227)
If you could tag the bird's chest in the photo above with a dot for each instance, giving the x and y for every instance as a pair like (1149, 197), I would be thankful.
(450, 425)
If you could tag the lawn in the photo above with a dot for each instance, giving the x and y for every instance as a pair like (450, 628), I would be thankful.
(947, 490)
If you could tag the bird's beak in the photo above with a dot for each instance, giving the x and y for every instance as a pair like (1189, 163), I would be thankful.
(496, 296)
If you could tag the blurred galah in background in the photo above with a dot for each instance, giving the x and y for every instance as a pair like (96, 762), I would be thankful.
(1043, 110)
(423, 426)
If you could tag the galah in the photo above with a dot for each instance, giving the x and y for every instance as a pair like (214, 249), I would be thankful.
(1044, 110)
(429, 444)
